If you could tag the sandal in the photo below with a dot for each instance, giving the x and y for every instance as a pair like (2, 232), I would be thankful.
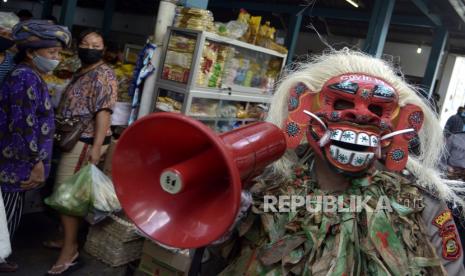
(8, 267)
(53, 244)
(66, 268)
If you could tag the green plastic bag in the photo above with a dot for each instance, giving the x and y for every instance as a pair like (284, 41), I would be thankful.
(87, 190)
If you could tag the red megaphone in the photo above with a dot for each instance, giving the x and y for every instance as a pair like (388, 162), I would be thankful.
(181, 183)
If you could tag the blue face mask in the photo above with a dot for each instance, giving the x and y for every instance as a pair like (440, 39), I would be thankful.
(45, 65)
(462, 114)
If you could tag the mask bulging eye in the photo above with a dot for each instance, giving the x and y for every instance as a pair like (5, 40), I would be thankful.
(343, 105)
(376, 109)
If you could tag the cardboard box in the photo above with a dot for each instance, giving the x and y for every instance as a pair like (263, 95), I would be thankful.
(152, 267)
(180, 262)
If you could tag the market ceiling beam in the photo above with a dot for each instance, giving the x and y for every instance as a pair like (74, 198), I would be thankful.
(412, 21)
(108, 12)
(68, 7)
(378, 27)
(439, 42)
(422, 5)
(459, 7)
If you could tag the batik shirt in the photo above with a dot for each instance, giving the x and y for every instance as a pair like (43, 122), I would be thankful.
(26, 127)
(88, 94)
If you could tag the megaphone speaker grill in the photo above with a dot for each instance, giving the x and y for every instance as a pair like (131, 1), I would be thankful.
(180, 182)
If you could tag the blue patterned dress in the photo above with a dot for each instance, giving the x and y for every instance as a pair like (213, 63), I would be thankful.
(26, 127)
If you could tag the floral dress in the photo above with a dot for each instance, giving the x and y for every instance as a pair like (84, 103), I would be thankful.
(26, 127)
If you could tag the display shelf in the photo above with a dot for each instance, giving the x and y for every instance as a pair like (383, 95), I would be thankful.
(227, 40)
(208, 118)
(218, 93)
(214, 79)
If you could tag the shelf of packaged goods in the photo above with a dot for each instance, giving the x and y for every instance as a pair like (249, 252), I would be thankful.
(250, 91)
(157, 109)
(219, 94)
(227, 95)
(208, 118)
(230, 41)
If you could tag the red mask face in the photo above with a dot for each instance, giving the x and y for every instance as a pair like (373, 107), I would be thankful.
(357, 111)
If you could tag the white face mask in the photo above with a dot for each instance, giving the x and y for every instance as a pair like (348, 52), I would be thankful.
(45, 65)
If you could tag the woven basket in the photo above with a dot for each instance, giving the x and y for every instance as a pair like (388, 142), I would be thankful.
(110, 249)
(120, 228)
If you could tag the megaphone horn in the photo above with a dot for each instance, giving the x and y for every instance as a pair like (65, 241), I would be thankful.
(181, 183)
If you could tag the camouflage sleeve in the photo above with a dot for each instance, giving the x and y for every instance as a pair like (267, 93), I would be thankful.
(443, 235)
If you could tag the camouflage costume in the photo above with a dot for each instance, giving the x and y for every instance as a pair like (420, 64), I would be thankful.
(349, 243)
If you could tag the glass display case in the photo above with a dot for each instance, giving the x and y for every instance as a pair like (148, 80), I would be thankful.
(222, 82)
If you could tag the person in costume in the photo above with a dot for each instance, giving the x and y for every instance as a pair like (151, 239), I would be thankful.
(348, 119)
(26, 116)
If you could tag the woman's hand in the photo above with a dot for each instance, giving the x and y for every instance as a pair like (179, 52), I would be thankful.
(95, 155)
(36, 178)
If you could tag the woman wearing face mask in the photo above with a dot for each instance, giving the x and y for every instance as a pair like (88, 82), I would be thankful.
(26, 116)
(90, 97)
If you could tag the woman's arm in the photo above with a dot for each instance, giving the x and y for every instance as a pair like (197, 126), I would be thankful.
(106, 90)
(102, 124)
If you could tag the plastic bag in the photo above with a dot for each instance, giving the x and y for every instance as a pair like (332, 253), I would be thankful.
(103, 193)
(5, 246)
(86, 191)
(8, 20)
(236, 29)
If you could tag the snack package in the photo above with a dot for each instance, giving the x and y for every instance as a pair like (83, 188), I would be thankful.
(254, 26)
(195, 19)
(236, 29)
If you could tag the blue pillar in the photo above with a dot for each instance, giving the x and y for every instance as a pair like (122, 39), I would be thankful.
(47, 8)
(434, 60)
(108, 16)
(68, 7)
(292, 35)
(378, 27)
(200, 4)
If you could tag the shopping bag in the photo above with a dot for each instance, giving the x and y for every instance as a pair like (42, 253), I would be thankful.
(88, 191)
(5, 246)
(73, 196)
(103, 194)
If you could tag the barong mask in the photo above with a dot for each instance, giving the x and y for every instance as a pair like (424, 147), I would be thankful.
(354, 120)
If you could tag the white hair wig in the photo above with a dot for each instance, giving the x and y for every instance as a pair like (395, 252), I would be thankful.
(320, 69)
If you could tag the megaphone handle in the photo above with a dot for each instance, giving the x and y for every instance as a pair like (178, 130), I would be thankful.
(196, 263)
(204, 165)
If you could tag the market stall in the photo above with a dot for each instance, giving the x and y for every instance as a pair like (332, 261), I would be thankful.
(209, 75)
